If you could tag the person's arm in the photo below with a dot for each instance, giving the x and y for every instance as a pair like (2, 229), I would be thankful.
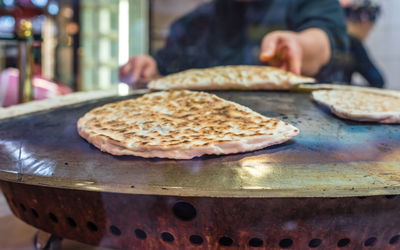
(302, 52)
(317, 31)
(326, 15)
(144, 67)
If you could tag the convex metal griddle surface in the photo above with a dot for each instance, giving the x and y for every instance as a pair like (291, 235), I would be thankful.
(279, 197)
(330, 157)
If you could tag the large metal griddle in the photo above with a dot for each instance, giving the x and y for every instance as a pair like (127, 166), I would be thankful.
(325, 171)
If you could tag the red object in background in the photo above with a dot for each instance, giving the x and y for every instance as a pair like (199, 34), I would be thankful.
(22, 9)
(42, 88)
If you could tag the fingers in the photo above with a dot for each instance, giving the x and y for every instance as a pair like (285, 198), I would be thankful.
(282, 49)
(278, 59)
(149, 70)
(285, 66)
(294, 55)
(137, 69)
(125, 73)
(125, 69)
(268, 47)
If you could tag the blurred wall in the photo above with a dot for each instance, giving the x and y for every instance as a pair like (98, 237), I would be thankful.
(383, 43)
(138, 38)
(99, 43)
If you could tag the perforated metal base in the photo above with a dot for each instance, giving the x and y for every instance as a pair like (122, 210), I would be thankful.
(165, 222)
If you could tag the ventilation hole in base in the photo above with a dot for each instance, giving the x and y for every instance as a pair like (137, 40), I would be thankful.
(255, 242)
(71, 222)
(286, 243)
(22, 207)
(91, 226)
(140, 234)
(343, 242)
(196, 239)
(370, 242)
(225, 241)
(34, 213)
(115, 230)
(53, 218)
(394, 240)
(167, 237)
(315, 243)
(184, 211)
(390, 196)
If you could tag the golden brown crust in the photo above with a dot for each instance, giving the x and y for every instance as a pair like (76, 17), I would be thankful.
(191, 123)
(239, 77)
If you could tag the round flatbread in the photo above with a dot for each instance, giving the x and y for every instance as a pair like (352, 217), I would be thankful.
(231, 78)
(361, 105)
(180, 125)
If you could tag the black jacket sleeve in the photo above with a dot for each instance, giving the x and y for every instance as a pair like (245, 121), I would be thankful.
(182, 43)
(328, 16)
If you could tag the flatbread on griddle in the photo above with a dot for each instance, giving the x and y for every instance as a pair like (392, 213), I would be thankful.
(231, 78)
(361, 105)
(328, 86)
(180, 125)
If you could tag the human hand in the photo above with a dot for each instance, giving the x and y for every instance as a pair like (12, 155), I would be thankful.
(139, 69)
(282, 49)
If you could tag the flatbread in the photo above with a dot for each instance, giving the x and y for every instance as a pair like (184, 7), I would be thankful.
(361, 105)
(231, 78)
(180, 125)
(327, 86)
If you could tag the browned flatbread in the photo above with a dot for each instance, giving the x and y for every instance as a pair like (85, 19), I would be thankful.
(180, 125)
(231, 78)
(361, 105)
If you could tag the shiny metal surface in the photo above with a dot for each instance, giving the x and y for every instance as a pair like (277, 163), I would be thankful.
(330, 157)
(25, 61)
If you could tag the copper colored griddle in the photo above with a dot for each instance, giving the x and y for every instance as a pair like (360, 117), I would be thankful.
(333, 186)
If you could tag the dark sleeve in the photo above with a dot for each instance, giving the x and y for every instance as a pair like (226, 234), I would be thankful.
(364, 65)
(180, 46)
(327, 15)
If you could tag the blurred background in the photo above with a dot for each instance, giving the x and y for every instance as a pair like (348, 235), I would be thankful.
(79, 45)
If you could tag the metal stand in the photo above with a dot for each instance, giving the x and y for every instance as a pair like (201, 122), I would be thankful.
(46, 241)
(25, 61)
